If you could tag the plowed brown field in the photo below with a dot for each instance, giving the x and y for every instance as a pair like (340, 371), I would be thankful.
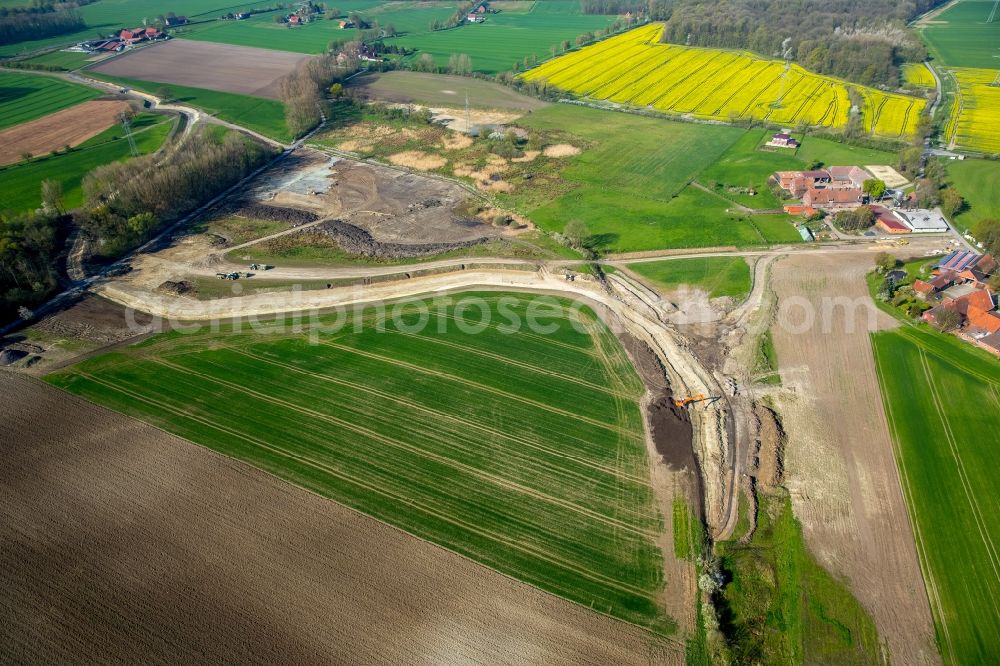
(123, 543)
(237, 69)
(69, 127)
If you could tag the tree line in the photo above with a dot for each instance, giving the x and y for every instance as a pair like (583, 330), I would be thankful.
(860, 40)
(29, 245)
(18, 24)
(126, 203)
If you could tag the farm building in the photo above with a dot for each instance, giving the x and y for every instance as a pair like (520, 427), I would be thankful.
(833, 198)
(887, 222)
(797, 183)
(475, 18)
(847, 176)
(173, 21)
(922, 221)
(137, 35)
(783, 140)
(345, 25)
(806, 233)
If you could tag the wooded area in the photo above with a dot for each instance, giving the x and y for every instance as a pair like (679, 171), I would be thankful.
(865, 41)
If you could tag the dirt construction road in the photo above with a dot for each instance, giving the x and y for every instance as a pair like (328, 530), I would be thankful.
(839, 461)
(125, 544)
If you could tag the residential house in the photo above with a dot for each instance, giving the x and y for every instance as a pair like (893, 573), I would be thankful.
(783, 140)
(797, 183)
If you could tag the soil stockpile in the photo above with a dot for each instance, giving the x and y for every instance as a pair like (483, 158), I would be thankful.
(356, 240)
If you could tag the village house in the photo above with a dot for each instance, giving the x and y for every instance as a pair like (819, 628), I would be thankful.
(136, 35)
(798, 182)
(960, 285)
(783, 140)
(847, 176)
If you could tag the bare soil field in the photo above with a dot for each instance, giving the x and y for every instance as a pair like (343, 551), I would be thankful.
(237, 69)
(124, 543)
(69, 127)
(839, 462)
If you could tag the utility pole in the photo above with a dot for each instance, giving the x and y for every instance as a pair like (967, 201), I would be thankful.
(128, 135)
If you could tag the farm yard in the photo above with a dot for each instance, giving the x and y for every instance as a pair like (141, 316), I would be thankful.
(635, 69)
(505, 39)
(942, 399)
(171, 535)
(21, 182)
(977, 125)
(964, 35)
(69, 127)
(542, 473)
(235, 69)
(25, 97)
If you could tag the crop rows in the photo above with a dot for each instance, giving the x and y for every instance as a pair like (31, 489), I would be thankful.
(977, 126)
(918, 75)
(635, 69)
(30, 96)
(522, 451)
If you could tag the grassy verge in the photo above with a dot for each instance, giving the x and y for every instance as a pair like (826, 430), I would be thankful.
(719, 276)
(22, 181)
(266, 116)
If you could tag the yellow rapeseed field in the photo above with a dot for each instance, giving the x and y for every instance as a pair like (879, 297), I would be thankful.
(975, 122)
(635, 69)
(918, 75)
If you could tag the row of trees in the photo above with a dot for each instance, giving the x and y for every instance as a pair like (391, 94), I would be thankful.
(303, 90)
(18, 26)
(860, 40)
(126, 203)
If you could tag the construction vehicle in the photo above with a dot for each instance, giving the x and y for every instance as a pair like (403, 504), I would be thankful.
(228, 276)
(684, 402)
(260, 267)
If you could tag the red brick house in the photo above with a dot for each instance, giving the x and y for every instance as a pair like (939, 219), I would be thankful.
(833, 198)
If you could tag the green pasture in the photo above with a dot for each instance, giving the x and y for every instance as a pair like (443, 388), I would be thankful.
(780, 606)
(440, 90)
(745, 165)
(266, 116)
(521, 448)
(315, 37)
(719, 276)
(66, 60)
(21, 183)
(963, 36)
(24, 97)
(942, 398)
(630, 184)
(978, 181)
(506, 38)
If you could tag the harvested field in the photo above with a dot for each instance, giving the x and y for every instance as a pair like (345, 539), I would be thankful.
(237, 69)
(521, 450)
(126, 544)
(839, 463)
(69, 127)
(440, 90)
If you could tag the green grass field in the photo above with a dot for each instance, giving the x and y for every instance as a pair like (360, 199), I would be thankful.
(976, 181)
(266, 116)
(21, 182)
(719, 276)
(24, 97)
(942, 397)
(744, 165)
(106, 16)
(782, 607)
(962, 35)
(66, 60)
(261, 30)
(523, 451)
(507, 37)
(440, 90)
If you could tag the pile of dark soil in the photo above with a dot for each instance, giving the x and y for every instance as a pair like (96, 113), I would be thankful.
(355, 240)
(294, 217)
(176, 288)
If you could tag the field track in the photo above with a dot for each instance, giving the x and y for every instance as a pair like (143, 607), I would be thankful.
(124, 543)
(69, 127)
(237, 69)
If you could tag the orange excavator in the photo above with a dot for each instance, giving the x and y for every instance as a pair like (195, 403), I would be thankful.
(684, 402)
